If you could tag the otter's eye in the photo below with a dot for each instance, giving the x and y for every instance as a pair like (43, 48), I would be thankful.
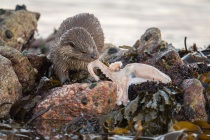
(72, 44)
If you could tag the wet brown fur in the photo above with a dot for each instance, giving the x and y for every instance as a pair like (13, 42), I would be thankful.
(79, 40)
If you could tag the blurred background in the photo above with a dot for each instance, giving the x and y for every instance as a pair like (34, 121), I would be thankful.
(124, 21)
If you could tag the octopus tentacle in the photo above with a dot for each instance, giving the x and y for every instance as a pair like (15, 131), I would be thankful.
(105, 70)
(132, 73)
(150, 72)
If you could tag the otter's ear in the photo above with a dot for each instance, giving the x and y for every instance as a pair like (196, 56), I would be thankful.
(72, 44)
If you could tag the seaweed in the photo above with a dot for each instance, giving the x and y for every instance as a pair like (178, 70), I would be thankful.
(22, 109)
(194, 130)
(83, 124)
(153, 107)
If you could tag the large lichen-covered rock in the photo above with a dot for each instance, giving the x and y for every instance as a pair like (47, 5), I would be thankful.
(17, 27)
(194, 101)
(71, 101)
(10, 87)
(22, 67)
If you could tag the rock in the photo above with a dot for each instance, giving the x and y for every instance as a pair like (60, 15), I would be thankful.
(194, 101)
(22, 67)
(178, 73)
(50, 129)
(169, 62)
(40, 63)
(158, 53)
(165, 58)
(10, 87)
(17, 28)
(53, 130)
(149, 40)
(72, 100)
(153, 49)
(111, 53)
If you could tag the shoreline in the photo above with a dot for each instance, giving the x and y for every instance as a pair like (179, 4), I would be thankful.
(124, 22)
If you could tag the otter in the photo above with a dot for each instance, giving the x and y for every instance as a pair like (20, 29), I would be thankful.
(79, 40)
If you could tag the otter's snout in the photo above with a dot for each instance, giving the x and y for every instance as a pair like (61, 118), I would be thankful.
(93, 56)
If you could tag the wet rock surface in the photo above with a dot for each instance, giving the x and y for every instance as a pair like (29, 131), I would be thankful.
(10, 87)
(17, 27)
(70, 101)
(194, 101)
(22, 67)
(158, 53)
(149, 41)
(154, 51)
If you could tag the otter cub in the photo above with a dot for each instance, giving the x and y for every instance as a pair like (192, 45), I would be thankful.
(79, 40)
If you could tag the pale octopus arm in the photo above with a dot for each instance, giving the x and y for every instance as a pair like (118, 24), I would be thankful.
(133, 73)
(115, 66)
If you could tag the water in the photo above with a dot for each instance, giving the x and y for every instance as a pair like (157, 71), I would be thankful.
(124, 21)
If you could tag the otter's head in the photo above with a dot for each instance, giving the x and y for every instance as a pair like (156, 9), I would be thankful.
(78, 43)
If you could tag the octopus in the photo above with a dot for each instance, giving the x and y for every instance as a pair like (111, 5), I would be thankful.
(132, 73)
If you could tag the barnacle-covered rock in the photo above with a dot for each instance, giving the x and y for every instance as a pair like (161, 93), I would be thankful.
(165, 58)
(72, 100)
(22, 67)
(158, 53)
(152, 49)
(149, 41)
(17, 27)
(194, 101)
(10, 87)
